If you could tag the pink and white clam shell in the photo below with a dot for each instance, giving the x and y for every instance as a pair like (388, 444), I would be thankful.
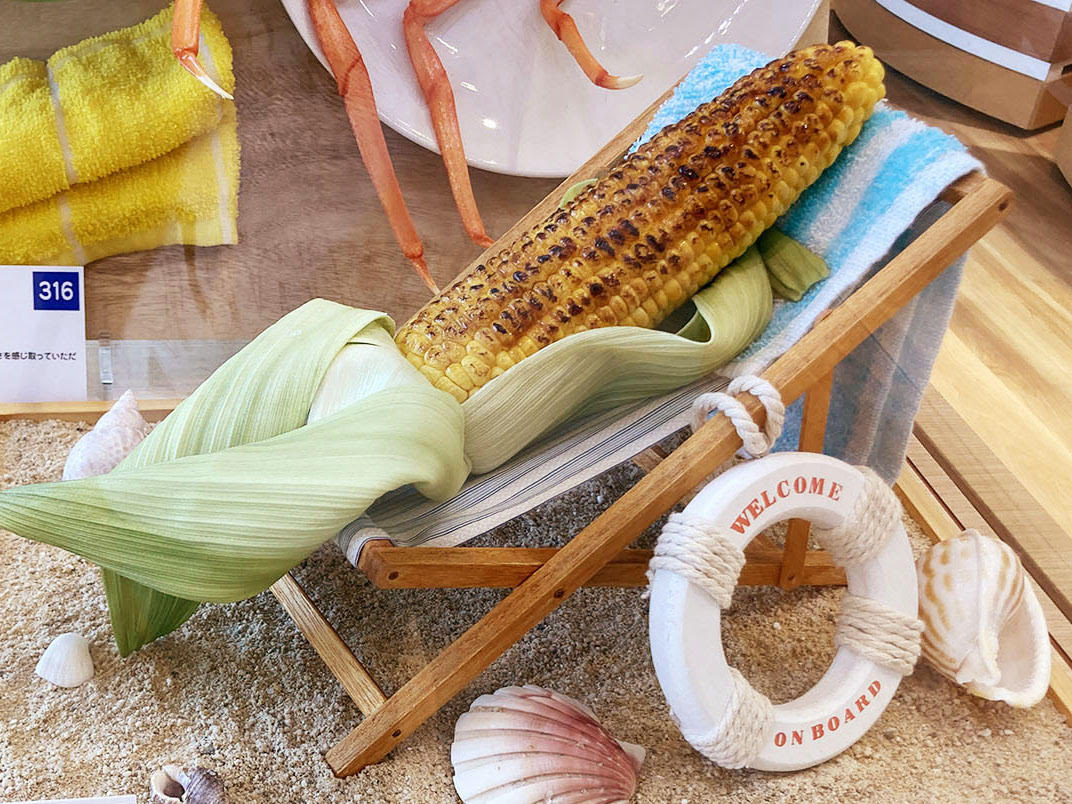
(529, 745)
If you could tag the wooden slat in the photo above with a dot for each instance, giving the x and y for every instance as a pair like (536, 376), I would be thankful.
(390, 567)
(812, 435)
(352, 675)
(934, 515)
(649, 458)
(960, 511)
(815, 355)
(152, 409)
(922, 504)
(1015, 516)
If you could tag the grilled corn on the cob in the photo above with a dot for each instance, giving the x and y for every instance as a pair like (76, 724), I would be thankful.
(643, 240)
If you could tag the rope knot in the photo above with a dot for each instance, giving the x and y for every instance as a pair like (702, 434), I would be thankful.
(879, 633)
(738, 738)
(755, 444)
(866, 527)
(697, 549)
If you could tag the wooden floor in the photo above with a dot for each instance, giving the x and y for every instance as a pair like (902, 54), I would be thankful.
(1006, 363)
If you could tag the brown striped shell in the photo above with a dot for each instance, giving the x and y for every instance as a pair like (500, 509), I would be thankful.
(983, 625)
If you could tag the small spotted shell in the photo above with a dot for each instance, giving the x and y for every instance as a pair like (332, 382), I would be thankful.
(983, 625)
(528, 745)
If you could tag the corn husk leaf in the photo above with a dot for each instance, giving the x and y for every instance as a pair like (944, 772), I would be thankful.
(231, 490)
(792, 266)
(601, 368)
(234, 488)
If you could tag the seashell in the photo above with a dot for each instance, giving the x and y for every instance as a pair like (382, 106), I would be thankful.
(112, 438)
(166, 785)
(66, 661)
(528, 744)
(983, 625)
(173, 785)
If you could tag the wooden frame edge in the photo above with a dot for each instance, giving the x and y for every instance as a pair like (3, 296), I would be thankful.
(938, 522)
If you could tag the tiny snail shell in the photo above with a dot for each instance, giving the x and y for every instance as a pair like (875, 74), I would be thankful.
(173, 785)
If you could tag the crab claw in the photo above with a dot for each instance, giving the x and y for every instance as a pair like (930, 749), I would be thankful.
(566, 30)
(435, 86)
(355, 86)
(185, 31)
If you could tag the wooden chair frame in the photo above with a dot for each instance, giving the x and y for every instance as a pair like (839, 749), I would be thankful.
(597, 555)
(544, 577)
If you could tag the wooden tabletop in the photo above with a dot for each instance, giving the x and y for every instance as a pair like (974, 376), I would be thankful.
(309, 221)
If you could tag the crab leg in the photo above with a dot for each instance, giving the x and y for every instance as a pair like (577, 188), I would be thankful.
(440, 99)
(566, 30)
(185, 30)
(356, 89)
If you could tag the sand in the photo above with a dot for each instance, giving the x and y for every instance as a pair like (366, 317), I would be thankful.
(239, 691)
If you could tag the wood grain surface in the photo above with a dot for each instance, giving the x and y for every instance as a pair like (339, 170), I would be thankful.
(1033, 28)
(390, 567)
(983, 85)
(1013, 514)
(935, 502)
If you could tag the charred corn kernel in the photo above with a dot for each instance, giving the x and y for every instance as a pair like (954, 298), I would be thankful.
(637, 244)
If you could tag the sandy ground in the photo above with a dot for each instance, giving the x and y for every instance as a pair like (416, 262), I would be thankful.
(239, 691)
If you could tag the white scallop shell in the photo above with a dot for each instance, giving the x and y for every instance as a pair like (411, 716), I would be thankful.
(983, 625)
(528, 745)
(112, 438)
(66, 661)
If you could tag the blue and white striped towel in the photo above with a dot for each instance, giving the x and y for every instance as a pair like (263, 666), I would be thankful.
(867, 206)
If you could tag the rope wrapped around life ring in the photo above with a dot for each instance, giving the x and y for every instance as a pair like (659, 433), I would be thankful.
(699, 550)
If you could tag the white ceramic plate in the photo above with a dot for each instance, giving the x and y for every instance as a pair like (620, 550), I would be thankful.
(524, 105)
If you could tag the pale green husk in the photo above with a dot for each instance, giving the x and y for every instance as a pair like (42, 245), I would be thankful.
(225, 524)
(793, 267)
(234, 489)
(600, 368)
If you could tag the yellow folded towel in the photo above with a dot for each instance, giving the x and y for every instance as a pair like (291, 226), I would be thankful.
(103, 105)
(189, 195)
(110, 146)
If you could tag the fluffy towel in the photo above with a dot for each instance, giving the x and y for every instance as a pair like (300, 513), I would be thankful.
(110, 146)
(863, 205)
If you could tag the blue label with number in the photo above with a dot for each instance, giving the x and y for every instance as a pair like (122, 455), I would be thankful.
(55, 290)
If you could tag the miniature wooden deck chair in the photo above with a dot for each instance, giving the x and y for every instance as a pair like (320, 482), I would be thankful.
(544, 578)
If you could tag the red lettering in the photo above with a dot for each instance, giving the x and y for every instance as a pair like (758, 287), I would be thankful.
(754, 508)
(786, 492)
(849, 715)
(766, 499)
(779, 739)
(835, 490)
(817, 731)
(861, 702)
(798, 737)
(874, 688)
(800, 485)
(833, 724)
(817, 485)
(741, 522)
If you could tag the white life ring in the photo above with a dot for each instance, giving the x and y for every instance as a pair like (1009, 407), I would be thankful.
(684, 621)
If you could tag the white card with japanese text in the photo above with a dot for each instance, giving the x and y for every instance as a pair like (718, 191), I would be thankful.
(42, 334)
